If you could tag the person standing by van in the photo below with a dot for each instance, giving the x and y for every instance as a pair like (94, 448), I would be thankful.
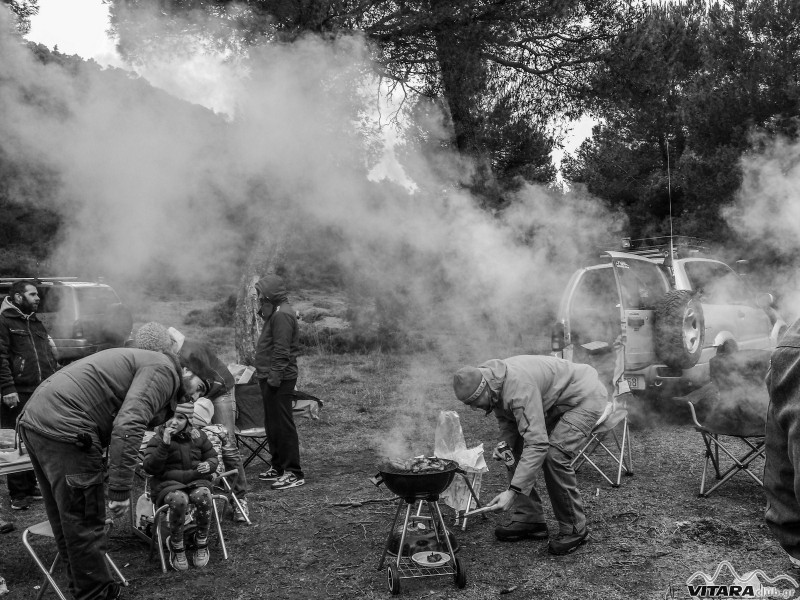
(26, 359)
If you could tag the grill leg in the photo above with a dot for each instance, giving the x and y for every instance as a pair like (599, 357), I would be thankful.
(389, 539)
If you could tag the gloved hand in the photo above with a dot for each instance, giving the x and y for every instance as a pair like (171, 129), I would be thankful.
(117, 508)
(11, 400)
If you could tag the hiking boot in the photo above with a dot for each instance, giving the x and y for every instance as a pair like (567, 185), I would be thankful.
(201, 553)
(286, 481)
(177, 557)
(568, 542)
(20, 504)
(270, 474)
(6, 526)
(36, 494)
(515, 531)
(240, 516)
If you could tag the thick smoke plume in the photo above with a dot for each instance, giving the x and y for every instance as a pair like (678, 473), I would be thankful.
(146, 181)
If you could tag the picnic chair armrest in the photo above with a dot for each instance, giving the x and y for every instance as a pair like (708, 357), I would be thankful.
(694, 415)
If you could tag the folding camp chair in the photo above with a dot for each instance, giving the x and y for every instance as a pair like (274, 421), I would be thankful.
(613, 428)
(45, 530)
(250, 431)
(730, 414)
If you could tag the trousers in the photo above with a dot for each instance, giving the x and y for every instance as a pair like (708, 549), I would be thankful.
(21, 484)
(71, 481)
(567, 432)
(282, 440)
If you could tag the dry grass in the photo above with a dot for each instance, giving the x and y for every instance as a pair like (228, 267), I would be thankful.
(324, 540)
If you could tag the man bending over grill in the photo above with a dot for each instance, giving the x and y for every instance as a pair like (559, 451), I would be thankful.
(545, 408)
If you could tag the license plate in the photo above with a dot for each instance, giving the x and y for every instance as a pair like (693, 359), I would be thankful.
(636, 382)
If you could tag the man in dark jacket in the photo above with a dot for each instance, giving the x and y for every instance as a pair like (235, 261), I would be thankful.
(782, 467)
(106, 400)
(276, 370)
(26, 359)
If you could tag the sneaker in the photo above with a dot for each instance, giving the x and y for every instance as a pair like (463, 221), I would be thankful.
(286, 481)
(114, 592)
(177, 557)
(201, 553)
(20, 504)
(515, 531)
(36, 494)
(270, 474)
(240, 516)
(567, 542)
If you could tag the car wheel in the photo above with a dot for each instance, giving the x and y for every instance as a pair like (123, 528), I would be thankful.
(679, 329)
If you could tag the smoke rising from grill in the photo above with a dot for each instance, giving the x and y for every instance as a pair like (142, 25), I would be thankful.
(145, 182)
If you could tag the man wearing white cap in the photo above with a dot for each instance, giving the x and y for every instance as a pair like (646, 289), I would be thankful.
(545, 408)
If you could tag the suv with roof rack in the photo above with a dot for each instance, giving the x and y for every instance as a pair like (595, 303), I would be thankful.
(82, 317)
(655, 313)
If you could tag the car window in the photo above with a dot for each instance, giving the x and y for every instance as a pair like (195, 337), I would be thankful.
(95, 300)
(717, 283)
(594, 308)
(642, 283)
(55, 299)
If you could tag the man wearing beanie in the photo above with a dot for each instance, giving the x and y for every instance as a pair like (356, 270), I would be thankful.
(198, 358)
(106, 400)
(545, 408)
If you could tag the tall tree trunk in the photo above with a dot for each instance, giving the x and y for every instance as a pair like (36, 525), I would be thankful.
(264, 259)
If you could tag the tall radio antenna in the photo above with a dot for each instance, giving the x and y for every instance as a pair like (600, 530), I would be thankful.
(669, 195)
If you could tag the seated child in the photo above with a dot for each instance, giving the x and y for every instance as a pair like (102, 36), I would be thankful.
(182, 462)
(228, 452)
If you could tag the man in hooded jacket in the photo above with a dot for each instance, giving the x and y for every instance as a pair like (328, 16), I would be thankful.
(782, 443)
(276, 370)
(26, 359)
(545, 408)
(106, 400)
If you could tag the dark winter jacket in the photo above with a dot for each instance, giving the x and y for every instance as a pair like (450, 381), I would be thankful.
(174, 465)
(279, 343)
(26, 353)
(108, 399)
(200, 360)
(782, 467)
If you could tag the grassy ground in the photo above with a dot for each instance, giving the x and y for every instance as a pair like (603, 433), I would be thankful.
(324, 540)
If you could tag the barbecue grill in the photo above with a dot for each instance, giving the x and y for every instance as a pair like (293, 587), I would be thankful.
(421, 488)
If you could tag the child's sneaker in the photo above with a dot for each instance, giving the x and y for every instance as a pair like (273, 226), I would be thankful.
(201, 554)
(177, 557)
(270, 474)
(286, 481)
(240, 516)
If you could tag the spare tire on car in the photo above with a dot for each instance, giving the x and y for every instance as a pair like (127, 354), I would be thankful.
(679, 329)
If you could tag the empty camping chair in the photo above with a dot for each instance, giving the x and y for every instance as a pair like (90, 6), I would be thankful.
(730, 415)
(250, 431)
(45, 530)
(610, 438)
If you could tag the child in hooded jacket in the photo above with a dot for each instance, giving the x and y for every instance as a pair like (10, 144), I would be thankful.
(182, 462)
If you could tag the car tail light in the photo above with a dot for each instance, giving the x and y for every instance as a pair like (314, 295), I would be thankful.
(557, 341)
(77, 329)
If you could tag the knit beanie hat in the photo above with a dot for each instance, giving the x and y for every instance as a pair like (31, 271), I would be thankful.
(203, 411)
(186, 409)
(154, 336)
(468, 384)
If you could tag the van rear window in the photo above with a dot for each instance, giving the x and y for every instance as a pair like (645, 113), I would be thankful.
(55, 299)
(94, 301)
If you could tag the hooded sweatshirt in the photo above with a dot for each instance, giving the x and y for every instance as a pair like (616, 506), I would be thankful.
(533, 389)
(279, 343)
(26, 352)
(782, 466)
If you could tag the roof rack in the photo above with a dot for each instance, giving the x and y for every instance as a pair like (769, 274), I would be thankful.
(659, 247)
(6, 279)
